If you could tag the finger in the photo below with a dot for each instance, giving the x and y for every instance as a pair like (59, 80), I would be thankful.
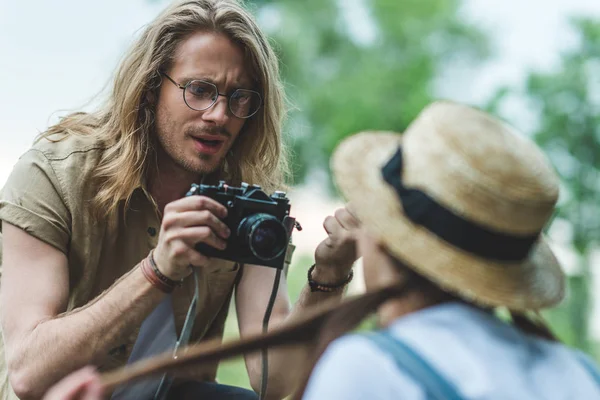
(352, 210)
(198, 260)
(197, 203)
(192, 257)
(331, 225)
(201, 218)
(346, 219)
(202, 234)
(94, 390)
(71, 386)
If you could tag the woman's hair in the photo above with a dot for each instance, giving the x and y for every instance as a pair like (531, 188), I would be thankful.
(319, 326)
(126, 122)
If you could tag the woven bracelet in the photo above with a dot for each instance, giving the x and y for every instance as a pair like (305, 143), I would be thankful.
(164, 279)
(151, 276)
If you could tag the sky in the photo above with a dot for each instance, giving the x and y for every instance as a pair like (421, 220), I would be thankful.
(56, 55)
(527, 34)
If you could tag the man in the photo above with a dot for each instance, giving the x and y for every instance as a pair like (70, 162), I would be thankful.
(197, 99)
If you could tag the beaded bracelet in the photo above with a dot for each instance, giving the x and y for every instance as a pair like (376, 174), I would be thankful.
(322, 287)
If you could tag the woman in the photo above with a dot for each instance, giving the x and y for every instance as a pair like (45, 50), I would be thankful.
(451, 217)
(452, 213)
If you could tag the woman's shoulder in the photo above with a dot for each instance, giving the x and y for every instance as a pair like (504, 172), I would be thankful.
(353, 367)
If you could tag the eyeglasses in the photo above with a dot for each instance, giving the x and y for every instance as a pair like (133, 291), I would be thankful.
(201, 95)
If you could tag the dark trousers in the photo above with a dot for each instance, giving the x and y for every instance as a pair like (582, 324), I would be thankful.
(156, 336)
(209, 391)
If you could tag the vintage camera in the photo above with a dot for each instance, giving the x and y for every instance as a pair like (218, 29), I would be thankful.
(260, 224)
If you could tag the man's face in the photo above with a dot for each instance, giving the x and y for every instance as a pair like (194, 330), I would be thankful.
(197, 141)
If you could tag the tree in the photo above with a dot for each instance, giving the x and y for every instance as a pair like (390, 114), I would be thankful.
(567, 102)
(374, 71)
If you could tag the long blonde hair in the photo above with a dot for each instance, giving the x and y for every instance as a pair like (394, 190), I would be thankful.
(125, 123)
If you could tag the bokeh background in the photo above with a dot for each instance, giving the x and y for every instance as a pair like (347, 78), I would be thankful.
(352, 65)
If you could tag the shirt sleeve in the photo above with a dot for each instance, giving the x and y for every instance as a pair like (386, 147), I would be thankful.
(32, 200)
(353, 368)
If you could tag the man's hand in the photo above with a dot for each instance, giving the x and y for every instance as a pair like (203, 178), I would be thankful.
(83, 384)
(185, 223)
(335, 255)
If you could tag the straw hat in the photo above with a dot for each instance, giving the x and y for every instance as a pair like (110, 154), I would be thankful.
(462, 199)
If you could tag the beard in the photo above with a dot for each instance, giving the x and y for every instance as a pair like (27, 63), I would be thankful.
(173, 149)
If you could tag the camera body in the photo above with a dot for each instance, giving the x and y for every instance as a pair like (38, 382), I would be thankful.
(260, 225)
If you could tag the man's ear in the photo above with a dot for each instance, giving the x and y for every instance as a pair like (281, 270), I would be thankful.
(152, 94)
(151, 98)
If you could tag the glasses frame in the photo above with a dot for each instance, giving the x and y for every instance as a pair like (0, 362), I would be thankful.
(228, 97)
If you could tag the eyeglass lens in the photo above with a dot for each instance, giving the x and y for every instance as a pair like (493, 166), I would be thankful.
(200, 95)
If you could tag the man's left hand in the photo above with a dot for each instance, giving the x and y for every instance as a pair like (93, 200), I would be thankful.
(335, 255)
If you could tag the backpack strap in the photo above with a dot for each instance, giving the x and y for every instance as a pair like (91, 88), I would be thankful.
(410, 362)
(587, 363)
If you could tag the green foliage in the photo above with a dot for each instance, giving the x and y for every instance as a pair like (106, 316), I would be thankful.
(569, 132)
(570, 116)
(342, 84)
(567, 102)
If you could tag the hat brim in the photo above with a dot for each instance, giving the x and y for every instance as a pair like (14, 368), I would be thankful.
(535, 283)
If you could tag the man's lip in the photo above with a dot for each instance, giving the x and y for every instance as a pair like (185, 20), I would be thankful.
(208, 146)
(211, 138)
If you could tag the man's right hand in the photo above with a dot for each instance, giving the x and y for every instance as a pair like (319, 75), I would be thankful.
(185, 223)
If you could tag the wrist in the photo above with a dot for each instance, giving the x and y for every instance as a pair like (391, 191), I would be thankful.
(317, 285)
(166, 269)
(156, 277)
(152, 278)
(329, 274)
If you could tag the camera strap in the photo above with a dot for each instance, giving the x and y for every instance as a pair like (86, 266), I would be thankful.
(161, 319)
(265, 351)
(184, 338)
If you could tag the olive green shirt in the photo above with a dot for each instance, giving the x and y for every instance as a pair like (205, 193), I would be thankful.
(48, 195)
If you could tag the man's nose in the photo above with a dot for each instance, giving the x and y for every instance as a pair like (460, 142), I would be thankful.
(219, 112)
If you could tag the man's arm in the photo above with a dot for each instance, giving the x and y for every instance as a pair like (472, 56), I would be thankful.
(333, 260)
(42, 345)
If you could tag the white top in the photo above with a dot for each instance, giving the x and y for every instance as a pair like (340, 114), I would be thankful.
(483, 357)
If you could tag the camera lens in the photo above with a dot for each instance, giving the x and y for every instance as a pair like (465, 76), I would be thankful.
(264, 235)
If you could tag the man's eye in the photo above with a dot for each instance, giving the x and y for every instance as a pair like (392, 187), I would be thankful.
(201, 90)
(241, 97)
